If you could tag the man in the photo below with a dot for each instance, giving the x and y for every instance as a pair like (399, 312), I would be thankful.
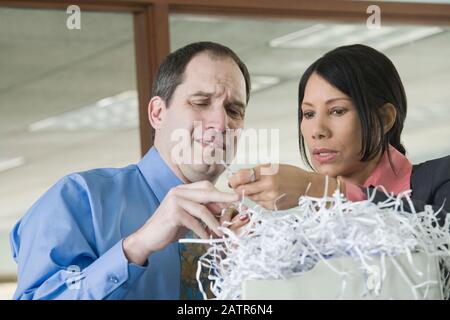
(112, 233)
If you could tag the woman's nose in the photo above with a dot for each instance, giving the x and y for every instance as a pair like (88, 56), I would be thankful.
(320, 130)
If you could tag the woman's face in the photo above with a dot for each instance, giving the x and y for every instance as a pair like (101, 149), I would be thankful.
(332, 132)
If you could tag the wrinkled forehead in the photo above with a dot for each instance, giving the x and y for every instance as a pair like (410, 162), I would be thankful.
(216, 75)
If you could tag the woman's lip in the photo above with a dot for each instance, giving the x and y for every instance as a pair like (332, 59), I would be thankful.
(325, 157)
(322, 150)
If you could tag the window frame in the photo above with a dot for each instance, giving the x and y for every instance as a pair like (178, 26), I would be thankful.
(152, 36)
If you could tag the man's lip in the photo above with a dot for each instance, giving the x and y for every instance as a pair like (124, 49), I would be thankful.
(209, 143)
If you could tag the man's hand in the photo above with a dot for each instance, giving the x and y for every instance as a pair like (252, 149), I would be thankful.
(184, 208)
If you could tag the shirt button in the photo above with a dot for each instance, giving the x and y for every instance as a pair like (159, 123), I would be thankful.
(125, 285)
(113, 279)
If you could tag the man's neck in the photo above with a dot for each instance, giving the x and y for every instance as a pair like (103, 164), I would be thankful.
(169, 163)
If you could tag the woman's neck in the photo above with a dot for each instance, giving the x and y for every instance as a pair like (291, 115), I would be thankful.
(361, 176)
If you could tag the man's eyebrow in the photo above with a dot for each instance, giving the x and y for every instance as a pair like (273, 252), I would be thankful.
(202, 94)
(237, 103)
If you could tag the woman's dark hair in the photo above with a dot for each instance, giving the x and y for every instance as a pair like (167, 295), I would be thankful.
(370, 80)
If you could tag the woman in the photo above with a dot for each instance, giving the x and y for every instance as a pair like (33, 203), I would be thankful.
(352, 107)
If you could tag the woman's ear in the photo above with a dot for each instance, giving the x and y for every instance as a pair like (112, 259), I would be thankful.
(156, 111)
(388, 115)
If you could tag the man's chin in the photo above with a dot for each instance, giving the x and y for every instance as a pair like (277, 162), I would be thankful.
(211, 170)
(204, 171)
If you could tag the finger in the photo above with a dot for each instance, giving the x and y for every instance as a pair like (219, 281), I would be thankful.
(243, 176)
(204, 184)
(268, 169)
(240, 177)
(201, 212)
(206, 196)
(193, 224)
(239, 221)
(251, 188)
(228, 215)
(217, 207)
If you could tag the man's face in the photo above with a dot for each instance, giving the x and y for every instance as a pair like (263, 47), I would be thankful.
(205, 111)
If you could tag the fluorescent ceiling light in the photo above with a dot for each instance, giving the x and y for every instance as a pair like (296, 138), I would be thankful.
(263, 82)
(119, 111)
(280, 41)
(115, 112)
(328, 36)
(7, 164)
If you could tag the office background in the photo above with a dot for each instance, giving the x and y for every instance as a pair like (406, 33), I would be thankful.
(75, 99)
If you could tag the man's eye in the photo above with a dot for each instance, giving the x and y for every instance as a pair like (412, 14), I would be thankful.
(199, 104)
(308, 114)
(235, 114)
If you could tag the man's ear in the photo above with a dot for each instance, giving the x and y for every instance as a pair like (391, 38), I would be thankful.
(388, 115)
(156, 111)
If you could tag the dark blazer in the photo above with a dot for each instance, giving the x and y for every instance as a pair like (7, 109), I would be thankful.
(430, 185)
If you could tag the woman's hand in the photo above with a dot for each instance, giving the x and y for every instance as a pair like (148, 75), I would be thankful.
(267, 185)
(234, 220)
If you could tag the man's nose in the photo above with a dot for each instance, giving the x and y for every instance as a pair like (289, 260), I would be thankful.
(217, 118)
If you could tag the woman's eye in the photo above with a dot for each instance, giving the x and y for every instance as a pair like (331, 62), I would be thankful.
(308, 114)
(338, 111)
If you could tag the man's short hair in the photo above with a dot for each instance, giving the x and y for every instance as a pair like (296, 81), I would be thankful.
(171, 71)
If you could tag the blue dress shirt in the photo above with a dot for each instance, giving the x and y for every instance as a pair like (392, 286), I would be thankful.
(69, 243)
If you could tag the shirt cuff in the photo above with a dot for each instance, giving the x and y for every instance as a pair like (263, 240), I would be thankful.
(111, 271)
(353, 192)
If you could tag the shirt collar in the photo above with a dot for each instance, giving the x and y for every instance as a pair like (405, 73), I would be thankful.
(158, 174)
(383, 174)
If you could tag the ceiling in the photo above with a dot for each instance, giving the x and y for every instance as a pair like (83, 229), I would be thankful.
(54, 118)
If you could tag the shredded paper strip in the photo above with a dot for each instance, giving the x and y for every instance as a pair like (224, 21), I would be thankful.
(284, 244)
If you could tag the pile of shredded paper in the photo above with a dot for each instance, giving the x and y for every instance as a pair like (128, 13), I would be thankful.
(283, 244)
